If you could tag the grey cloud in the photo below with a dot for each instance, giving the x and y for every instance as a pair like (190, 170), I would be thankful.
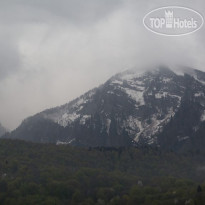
(10, 59)
(73, 11)
(52, 51)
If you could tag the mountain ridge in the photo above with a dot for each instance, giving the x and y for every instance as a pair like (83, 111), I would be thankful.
(131, 107)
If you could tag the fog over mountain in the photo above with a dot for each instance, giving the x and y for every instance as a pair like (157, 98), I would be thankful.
(53, 51)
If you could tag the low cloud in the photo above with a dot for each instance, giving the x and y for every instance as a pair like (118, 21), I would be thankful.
(52, 51)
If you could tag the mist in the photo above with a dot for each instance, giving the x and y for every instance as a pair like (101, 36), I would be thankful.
(51, 52)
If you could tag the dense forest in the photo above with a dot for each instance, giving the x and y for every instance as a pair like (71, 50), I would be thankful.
(47, 174)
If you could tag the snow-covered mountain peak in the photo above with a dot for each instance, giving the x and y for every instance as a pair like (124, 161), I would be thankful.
(132, 106)
(134, 73)
(138, 88)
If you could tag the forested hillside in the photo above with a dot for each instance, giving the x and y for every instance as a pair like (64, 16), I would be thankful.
(49, 174)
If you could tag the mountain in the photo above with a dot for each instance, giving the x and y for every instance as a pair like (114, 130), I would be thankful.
(159, 107)
(2, 130)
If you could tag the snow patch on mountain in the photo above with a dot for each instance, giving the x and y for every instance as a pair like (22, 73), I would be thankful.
(117, 82)
(69, 113)
(166, 80)
(199, 94)
(108, 122)
(136, 95)
(160, 95)
(201, 81)
(110, 92)
(203, 116)
(180, 138)
(84, 118)
(140, 128)
(68, 118)
(61, 143)
(133, 126)
(131, 74)
(64, 143)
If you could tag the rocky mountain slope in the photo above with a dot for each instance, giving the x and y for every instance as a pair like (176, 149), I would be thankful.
(160, 107)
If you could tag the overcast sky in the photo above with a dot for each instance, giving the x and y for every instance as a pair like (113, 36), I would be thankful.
(52, 51)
